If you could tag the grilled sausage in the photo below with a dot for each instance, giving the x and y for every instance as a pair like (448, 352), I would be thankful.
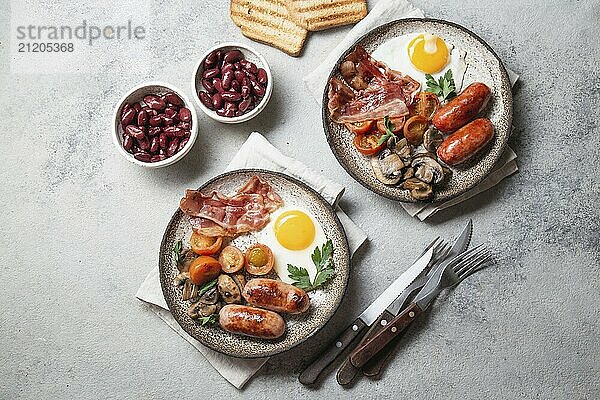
(462, 109)
(251, 321)
(465, 142)
(276, 296)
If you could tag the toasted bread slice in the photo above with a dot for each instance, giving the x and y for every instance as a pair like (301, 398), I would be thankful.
(268, 21)
(316, 15)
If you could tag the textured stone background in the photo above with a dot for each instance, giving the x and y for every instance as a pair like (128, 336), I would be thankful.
(80, 226)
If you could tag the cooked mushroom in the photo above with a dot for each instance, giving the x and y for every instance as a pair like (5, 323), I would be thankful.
(240, 280)
(348, 69)
(181, 278)
(199, 309)
(190, 291)
(387, 167)
(419, 190)
(211, 296)
(229, 290)
(428, 169)
(403, 150)
(432, 139)
(358, 83)
(408, 173)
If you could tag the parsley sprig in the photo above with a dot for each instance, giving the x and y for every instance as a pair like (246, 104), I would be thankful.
(389, 131)
(323, 260)
(206, 287)
(210, 320)
(444, 88)
(176, 252)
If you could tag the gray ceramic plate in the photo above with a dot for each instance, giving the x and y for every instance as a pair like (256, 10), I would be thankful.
(298, 327)
(483, 66)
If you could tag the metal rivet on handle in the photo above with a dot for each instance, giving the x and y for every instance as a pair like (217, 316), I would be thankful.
(394, 329)
(383, 322)
(411, 314)
(338, 344)
(354, 328)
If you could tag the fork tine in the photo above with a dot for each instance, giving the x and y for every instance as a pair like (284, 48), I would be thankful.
(468, 261)
(475, 266)
(465, 257)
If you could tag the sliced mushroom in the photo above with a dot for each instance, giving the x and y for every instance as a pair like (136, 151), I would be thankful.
(387, 167)
(199, 309)
(358, 83)
(181, 278)
(408, 173)
(428, 169)
(403, 150)
(211, 296)
(348, 69)
(419, 190)
(432, 139)
(229, 290)
(190, 291)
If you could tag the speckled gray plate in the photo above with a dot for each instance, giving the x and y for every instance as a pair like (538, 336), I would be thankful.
(298, 327)
(483, 66)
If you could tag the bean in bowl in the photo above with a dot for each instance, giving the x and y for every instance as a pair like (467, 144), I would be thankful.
(232, 85)
(156, 128)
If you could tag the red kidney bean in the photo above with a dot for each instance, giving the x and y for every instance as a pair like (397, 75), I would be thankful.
(231, 96)
(187, 133)
(163, 141)
(173, 98)
(229, 113)
(155, 102)
(142, 118)
(219, 55)
(239, 76)
(211, 59)
(168, 121)
(127, 116)
(162, 152)
(226, 67)
(227, 78)
(230, 107)
(235, 86)
(134, 131)
(185, 114)
(232, 56)
(207, 83)
(142, 156)
(245, 90)
(154, 131)
(237, 66)
(126, 107)
(217, 101)
(155, 120)
(157, 158)
(221, 112)
(150, 111)
(249, 66)
(144, 143)
(137, 107)
(184, 125)
(257, 88)
(243, 106)
(173, 131)
(206, 100)
(217, 84)
(261, 76)
(182, 144)
(170, 111)
(127, 142)
(211, 73)
(154, 144)
(173, 147)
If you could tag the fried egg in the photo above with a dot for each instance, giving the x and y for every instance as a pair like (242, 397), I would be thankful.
(418, 54)
(292, 235)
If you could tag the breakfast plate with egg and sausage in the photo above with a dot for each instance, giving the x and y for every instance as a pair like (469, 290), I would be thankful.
(253, 263)
(418, 110)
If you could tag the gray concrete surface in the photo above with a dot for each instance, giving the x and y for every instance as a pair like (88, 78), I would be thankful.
(80, 226)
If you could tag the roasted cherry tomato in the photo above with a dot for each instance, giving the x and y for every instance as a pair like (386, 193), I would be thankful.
(414, 129)
(398, 122)
(426, 104)
(259, 259)
(231, 259)
(204, 269)
(368, 144)
(360, 128)
(205, 245)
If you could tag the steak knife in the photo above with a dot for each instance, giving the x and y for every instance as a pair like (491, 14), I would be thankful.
(348, 371)
(365, 319)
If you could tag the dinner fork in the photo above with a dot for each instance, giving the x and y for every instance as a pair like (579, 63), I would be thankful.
(451, 275)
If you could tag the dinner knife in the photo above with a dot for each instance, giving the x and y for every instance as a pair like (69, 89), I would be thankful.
(347, 371)
(363, 353)
(365, 319)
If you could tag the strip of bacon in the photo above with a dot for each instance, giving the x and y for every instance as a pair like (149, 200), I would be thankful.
(218, 215)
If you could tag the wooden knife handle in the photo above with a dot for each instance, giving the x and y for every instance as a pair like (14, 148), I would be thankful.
(347, 372)
(397, 325)
(335, 348)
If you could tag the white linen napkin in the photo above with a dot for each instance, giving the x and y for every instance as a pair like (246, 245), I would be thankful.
(383, 12)
(256, 152)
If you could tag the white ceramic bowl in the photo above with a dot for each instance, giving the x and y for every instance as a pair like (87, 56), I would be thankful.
(251, 55)
(137, 94)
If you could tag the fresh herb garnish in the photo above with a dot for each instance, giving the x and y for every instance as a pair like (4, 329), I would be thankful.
(210, 320)
(323, 260)
(444, 88)
(206, 287)
(177, 251)
(389, 131)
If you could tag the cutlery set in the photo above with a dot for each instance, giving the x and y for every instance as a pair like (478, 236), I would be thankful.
(374, 333)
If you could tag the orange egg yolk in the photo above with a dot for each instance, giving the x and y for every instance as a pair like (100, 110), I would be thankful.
(294, 230)
(428, 53)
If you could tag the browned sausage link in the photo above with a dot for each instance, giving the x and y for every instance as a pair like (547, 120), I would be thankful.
(251, 321)
(276, 295)
(462, 109)
(465, 142)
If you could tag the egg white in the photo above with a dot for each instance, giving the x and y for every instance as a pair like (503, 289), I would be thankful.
(283, 256)
(394, 53)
